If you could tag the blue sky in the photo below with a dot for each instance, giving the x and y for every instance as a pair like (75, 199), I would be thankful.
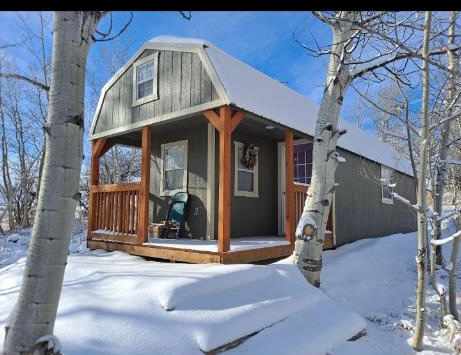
(262, 39)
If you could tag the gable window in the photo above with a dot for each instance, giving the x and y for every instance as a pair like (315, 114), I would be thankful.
(174, 168)
(145, 80)
(246, 170)
(386, 185)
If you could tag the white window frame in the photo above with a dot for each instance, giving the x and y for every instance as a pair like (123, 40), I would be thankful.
(183, 188)
(305, 165)
(255, 171)
(154, 96)
(386, 178)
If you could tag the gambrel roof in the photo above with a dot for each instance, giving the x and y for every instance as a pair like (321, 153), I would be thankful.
(242, 86)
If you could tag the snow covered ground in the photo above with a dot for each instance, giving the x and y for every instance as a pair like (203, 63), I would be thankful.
(114, 303)
(377, 279)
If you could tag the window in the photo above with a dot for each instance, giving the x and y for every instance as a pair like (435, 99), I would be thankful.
(386, 185)
(145, 80)
(174, 168)
(303, 163)
(246, 174)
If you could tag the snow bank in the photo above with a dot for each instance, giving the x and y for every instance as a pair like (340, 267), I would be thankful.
(377, 278)
(114, 303)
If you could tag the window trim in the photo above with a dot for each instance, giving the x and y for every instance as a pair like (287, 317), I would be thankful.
(183, 188)
(305, 165)
(154, 96)
(386, 173)
(237, 192)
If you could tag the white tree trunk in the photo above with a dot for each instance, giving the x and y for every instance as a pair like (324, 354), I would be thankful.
(310, 230)
(35, 311)
(417, 341)
(452, 277)
(442, 169)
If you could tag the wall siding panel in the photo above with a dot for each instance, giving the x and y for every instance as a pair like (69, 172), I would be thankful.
(254, 216)
(359, 210)
(195, 132)
(182, 83)
(186, 67)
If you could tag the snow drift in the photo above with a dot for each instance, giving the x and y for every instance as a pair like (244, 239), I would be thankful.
(113, 303)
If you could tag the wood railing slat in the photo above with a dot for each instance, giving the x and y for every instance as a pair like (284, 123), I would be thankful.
(116, 187)
(116, 210)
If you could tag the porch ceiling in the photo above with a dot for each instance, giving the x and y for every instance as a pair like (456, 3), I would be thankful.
(257, 125)
(251, 124)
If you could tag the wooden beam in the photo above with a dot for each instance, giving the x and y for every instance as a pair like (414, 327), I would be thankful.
(255, 255)
(160, 252)
(143, 225)
(289, 189)
(217, 121)
(225, 123)
(214, 119)
(236, 119)
(94, 180)
(101, 146)
(225, 169)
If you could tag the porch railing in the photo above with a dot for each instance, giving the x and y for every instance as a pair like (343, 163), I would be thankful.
(115, 211)
(300, 197)
(300, 191)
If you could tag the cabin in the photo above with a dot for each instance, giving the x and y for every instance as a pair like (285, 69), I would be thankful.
(240, 144)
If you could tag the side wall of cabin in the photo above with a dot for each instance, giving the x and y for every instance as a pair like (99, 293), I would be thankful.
(359, 211)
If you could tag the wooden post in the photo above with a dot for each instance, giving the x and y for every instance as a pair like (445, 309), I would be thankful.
(143, 226)
(289, 189)
(98, 148)
(94, 180)
(224, 212)
(225, 123)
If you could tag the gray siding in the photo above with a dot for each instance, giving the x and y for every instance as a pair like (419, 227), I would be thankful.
(359, 210)
(195, 131)
(182, 83)
(255, 216)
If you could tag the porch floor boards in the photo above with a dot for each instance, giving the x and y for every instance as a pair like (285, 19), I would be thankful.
(243, 250)
(212, 245)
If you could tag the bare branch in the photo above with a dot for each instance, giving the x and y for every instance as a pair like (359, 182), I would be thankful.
(31, 81)
(104, 37)
(445, 120)
(375, 105)
(404, 201)
(443, 241)
(187, 15)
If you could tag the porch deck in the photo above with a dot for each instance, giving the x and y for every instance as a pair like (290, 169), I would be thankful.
(212, 245)
(242, 250)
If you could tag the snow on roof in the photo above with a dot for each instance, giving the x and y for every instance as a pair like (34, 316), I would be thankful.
(253, 91)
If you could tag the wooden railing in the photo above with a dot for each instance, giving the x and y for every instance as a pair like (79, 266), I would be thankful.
(115, 211)
(300, 191)
(300, 197)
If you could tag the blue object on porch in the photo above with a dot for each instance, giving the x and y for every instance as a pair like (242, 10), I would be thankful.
(176, 215)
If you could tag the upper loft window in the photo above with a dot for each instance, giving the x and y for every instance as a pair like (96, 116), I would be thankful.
(145, 79)
(387, 189)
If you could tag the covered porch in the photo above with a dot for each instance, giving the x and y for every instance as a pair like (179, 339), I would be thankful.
(119, 215)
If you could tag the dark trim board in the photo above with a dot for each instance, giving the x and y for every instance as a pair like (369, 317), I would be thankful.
(196, 256)
(254, 255)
